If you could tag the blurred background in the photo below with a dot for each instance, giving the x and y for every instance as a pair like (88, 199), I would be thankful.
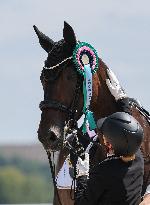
(119, 31)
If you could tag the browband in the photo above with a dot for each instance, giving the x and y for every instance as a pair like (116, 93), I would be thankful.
(57, 65)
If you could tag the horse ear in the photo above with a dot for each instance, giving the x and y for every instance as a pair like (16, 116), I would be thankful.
(45, 42)
(69, 35)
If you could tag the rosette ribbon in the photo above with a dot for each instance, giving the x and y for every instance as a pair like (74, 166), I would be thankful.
(87, 93)
(86, 59)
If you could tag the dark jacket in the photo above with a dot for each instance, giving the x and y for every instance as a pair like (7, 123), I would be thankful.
(112, 182)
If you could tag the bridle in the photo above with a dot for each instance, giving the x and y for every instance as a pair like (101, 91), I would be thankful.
(57, 105)
(54, 105)
(70, 111)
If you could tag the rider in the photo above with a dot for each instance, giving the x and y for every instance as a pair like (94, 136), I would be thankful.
(118, 179)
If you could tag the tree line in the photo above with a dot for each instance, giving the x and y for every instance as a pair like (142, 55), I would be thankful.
(24, 181)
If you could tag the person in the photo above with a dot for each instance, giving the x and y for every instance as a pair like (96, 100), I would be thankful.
(118, 179)
(123, 104)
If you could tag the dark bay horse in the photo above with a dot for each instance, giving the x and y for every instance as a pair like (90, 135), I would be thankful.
(62, 86)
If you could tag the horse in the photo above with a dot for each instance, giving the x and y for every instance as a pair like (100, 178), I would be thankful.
(63, 100)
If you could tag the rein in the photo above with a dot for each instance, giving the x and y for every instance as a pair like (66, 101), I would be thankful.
(52, 168)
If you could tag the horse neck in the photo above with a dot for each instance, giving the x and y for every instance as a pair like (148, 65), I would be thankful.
(103, 103)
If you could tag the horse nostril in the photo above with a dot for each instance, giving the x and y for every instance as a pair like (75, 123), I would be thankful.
(52, 136)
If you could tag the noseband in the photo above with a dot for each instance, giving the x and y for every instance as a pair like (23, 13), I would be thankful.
(54, 105)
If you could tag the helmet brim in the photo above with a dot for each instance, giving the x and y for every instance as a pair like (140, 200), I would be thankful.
(100, 123)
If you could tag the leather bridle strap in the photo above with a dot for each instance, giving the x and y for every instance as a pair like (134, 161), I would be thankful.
(54, 105)
(52, 168)
(76, 98)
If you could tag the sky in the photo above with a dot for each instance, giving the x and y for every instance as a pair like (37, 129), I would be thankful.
(118, 30)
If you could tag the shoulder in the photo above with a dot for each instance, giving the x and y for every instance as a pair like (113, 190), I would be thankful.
(139, 156)
(139, 161)
(107, 165)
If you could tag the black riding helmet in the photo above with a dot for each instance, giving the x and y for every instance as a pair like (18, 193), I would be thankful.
(123, 131)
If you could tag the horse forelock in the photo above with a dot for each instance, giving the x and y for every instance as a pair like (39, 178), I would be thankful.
(60, 51)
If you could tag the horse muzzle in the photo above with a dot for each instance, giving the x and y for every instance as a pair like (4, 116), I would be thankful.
(50, 140)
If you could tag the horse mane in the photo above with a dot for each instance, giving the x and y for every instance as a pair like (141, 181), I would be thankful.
(103, 103)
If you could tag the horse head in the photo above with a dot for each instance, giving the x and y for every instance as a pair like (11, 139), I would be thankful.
(62, 88)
